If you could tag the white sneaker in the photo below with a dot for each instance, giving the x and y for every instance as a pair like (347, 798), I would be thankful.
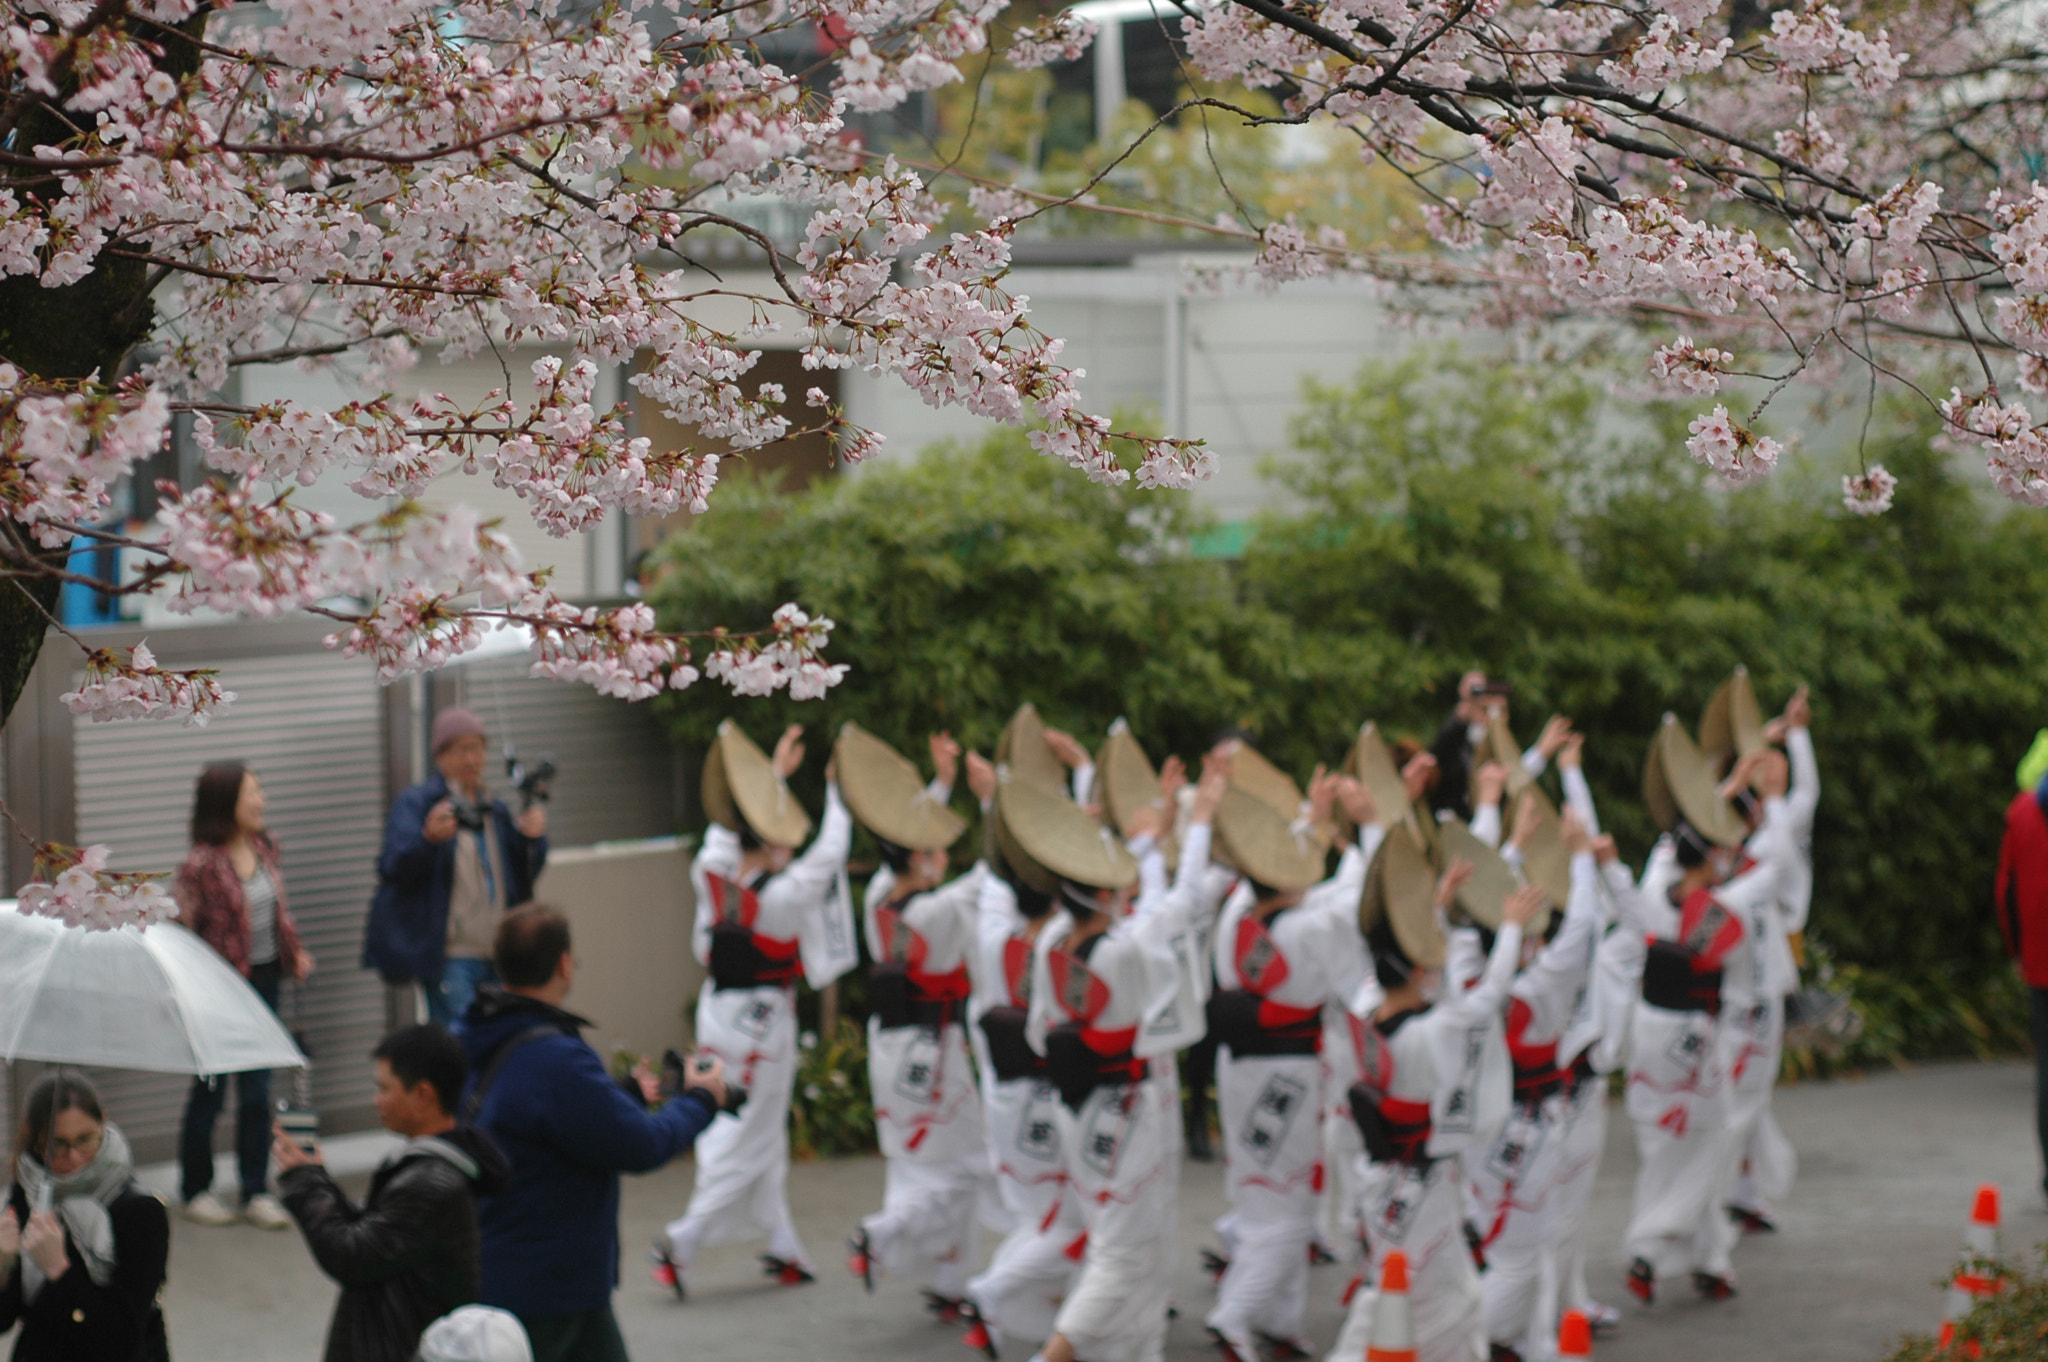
(208, 1209)
(266, 1212)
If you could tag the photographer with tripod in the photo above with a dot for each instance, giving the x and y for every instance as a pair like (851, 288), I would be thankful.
(455, 861)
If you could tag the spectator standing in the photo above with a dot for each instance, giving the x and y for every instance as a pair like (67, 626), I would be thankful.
(2022, 893)
(81, 1276)
(551, 1237)
(455, 860)
(410, 1253)
(230, 891)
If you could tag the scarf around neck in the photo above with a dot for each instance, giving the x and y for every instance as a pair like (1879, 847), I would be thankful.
(82, 1200)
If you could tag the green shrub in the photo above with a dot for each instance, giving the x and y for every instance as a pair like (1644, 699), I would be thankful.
(1443, 513)
(831, 1111)
(2011, 1326)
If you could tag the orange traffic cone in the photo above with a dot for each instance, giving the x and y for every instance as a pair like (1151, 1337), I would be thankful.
(1574, 1336)
(1971, 1284)
(1393, 1327)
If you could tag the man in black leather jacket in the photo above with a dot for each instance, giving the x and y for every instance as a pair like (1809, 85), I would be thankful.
(411, 1252)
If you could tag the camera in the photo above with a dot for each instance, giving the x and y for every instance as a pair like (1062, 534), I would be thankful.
(675, 1078)
(469, 817)
(532, 782)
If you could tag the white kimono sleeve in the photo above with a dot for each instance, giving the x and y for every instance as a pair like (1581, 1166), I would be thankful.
(720, 856)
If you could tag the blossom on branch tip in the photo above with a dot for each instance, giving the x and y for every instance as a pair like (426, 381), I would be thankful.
(1869, 493)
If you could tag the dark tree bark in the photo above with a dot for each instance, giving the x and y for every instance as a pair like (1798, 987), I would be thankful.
(67, 333)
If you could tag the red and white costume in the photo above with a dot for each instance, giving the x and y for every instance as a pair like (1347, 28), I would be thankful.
(757, 938)
(1099, 1016)
(1425, 1091)
(927, 1108)
(1274, 979)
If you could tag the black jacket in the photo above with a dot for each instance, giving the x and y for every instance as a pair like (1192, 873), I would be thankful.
(410, 1253)
(72, 1319)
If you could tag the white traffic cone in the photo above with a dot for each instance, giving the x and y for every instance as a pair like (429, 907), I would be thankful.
(1393, 1326)
(1971, 1284)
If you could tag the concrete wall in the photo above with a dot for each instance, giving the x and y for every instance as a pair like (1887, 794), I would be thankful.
(629, 908)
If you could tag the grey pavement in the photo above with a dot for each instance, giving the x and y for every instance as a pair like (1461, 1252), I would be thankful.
(1889, 1165)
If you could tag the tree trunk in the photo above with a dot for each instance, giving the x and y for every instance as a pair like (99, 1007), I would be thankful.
(69, 333)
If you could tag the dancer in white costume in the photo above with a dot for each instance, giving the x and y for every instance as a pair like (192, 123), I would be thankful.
(1677, 1085)
(1286, 948)
(1418, 1080)
(764, 915)
(920, 936)
(1102, 984)
(1754, 1043)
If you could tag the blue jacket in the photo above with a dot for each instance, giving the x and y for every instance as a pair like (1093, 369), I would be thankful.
(551, 1234)
(407, 934)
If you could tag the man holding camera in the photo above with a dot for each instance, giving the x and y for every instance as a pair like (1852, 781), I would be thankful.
(455, 860)
(551, 1236)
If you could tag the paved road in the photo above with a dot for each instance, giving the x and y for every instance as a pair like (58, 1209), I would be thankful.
(1890, 1163)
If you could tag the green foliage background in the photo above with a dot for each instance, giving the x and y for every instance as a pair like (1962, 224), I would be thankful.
(1447, 513)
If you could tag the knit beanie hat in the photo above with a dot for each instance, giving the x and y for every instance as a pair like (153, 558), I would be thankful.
(451, 725)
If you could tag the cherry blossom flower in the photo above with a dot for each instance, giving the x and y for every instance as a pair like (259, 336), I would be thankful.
(75, 887)
(139, 689)
(1869, 493)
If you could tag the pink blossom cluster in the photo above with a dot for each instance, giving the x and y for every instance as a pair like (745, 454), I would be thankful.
(76, 888)
(1733, 451)
(63, 445)
(139, 689)
(788, 657)
(1064, 37)
(1869, 492)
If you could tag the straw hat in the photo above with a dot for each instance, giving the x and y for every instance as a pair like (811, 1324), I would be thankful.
(1732, 724)
(885, 792)
(1058, 834)
(1023, 748)
(999, 844)
(1125, 780)
(1546, 861)
(1371, 762)
(1264, 844)
(1400, 888)
(1500, 745)
(740, 785)
(1265, 782)
(1678, 782)
(1493, 879)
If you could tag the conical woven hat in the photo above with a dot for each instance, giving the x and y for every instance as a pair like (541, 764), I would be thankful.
(1546, 862)
(1400, 887)
(1125, 780)
(1732, 724)
(1265, 782)
(1023, 748)
(1694, 793)
(1059, 835)
(1263, 844)
(885, 792)
(1493, 879)
(1371, 763)
(740, 784)
(1000, 844)
(1500, 745)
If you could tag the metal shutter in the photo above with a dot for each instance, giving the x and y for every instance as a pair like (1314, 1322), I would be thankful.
(616, 766)
(312, 727)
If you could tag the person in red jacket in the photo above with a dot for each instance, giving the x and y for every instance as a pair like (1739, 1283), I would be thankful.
(2023, 920)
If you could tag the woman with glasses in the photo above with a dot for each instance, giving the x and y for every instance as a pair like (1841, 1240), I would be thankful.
(82, 1245)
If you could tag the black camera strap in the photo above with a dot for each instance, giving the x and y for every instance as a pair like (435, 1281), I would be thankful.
(474, 1103)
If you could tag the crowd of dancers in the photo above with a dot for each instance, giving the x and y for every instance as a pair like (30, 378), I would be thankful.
(1416, 977)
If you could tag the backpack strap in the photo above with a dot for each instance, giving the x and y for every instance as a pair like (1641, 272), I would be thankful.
(474, 1103)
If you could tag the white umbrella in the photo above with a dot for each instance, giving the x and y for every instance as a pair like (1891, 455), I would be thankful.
(157, 999)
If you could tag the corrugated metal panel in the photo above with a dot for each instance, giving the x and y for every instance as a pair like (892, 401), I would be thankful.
(617, 767)
(312, 726)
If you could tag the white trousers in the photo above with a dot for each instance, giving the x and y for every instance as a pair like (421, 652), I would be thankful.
(1118, 1166)
(1272, 1112)
(1585, 1140)
(928, 1121)
(1515, 1183)
(1752, 1045)
(1033, 1267)
(1678, 1101)
(1421, 1213)
(742, 1188)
